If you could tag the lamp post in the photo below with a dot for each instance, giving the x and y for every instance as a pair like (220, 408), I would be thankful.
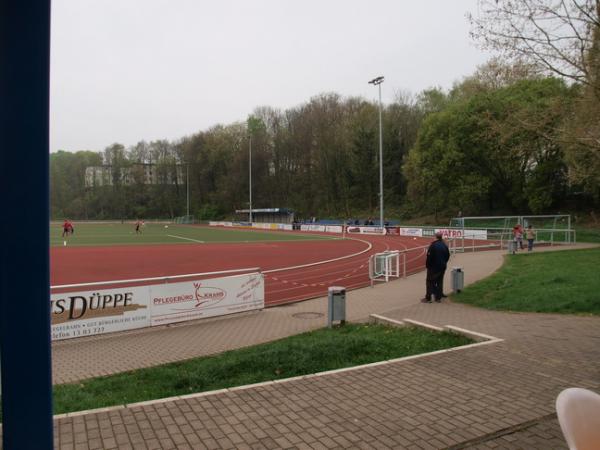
(187, 184)
(377, 82)
(250, 175)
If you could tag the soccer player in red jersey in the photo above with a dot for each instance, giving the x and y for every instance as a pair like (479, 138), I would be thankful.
(66, 228)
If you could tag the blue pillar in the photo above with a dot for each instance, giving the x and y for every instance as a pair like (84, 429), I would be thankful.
(24, 260)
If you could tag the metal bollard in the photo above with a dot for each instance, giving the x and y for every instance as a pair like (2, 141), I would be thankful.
(336, 302)
(458, 279)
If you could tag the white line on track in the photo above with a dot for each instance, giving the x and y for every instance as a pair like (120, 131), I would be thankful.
(369, 246)
(187, 239)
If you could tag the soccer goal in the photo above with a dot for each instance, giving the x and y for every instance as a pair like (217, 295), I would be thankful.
(550, 229)
(186, 220)
(383, 266)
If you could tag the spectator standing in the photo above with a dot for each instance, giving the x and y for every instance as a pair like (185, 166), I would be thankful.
(530, 235)
(517, 237)
(436, 263)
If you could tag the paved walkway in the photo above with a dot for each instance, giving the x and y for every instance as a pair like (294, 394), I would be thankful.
(494, 396)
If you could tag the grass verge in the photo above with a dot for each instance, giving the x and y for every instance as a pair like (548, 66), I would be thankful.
(317, 351)
(588, 234)
(107, 234)
(551, 282)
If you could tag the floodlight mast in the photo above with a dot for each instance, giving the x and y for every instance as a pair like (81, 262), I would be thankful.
(377, 82)
(187, 184)
(250, 177)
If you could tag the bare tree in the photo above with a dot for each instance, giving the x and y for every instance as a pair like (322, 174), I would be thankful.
(555, 35)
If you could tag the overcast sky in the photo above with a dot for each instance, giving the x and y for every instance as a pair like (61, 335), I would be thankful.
(127, 70)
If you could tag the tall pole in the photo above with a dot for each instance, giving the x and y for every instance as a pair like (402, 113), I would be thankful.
(250, 174)
(377, 82)
(187, 183)
(25, 352)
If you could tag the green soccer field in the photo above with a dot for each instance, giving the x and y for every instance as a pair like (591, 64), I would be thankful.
(124, 234)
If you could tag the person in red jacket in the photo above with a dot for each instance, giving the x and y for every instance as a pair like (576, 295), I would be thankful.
(66, 228)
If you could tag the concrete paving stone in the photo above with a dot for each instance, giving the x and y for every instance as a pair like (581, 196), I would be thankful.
(307, 437)
(94, 444)
(153, 444)
(269, 443)
(81, 437)
(122, 439)
(283, 442)
(167, 444)
(109, 442)
(316, 433)
(303, 446)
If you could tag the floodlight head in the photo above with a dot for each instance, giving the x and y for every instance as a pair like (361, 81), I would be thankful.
(376, 81)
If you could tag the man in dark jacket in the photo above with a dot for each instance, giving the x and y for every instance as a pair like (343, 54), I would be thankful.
(437, 258)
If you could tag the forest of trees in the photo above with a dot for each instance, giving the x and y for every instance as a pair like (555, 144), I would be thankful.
(520, 135)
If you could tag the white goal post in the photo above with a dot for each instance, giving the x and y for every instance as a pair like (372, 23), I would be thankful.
(383, 266)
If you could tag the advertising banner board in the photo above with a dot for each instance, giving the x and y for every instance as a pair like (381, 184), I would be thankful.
(89, 313)
(77, 314)
(192, 300)
(365, 230)
(414, 232)
(457, 233)
(393, 231)
(220, 224)
(460, 233)
(309, 227)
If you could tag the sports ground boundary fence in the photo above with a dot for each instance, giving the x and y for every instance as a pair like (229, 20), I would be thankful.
(101, 307)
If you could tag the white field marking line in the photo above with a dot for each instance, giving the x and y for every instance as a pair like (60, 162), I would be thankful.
(349, 283)
(315, 294)
(493, 340)
(314, 276)
(334, 276)
(274, 241)
(168, 277)
(331, 276)
(316, 271)
(301, 276)
(329, 281)
(187, 239)
(369, 246)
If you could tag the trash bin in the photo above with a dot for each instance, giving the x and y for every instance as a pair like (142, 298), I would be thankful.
(512, 247)
(336, 302)
(458, 279)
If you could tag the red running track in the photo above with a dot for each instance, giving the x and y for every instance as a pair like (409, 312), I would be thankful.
(284, 281)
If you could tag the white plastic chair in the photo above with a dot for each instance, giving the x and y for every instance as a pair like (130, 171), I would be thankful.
(578, 412)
